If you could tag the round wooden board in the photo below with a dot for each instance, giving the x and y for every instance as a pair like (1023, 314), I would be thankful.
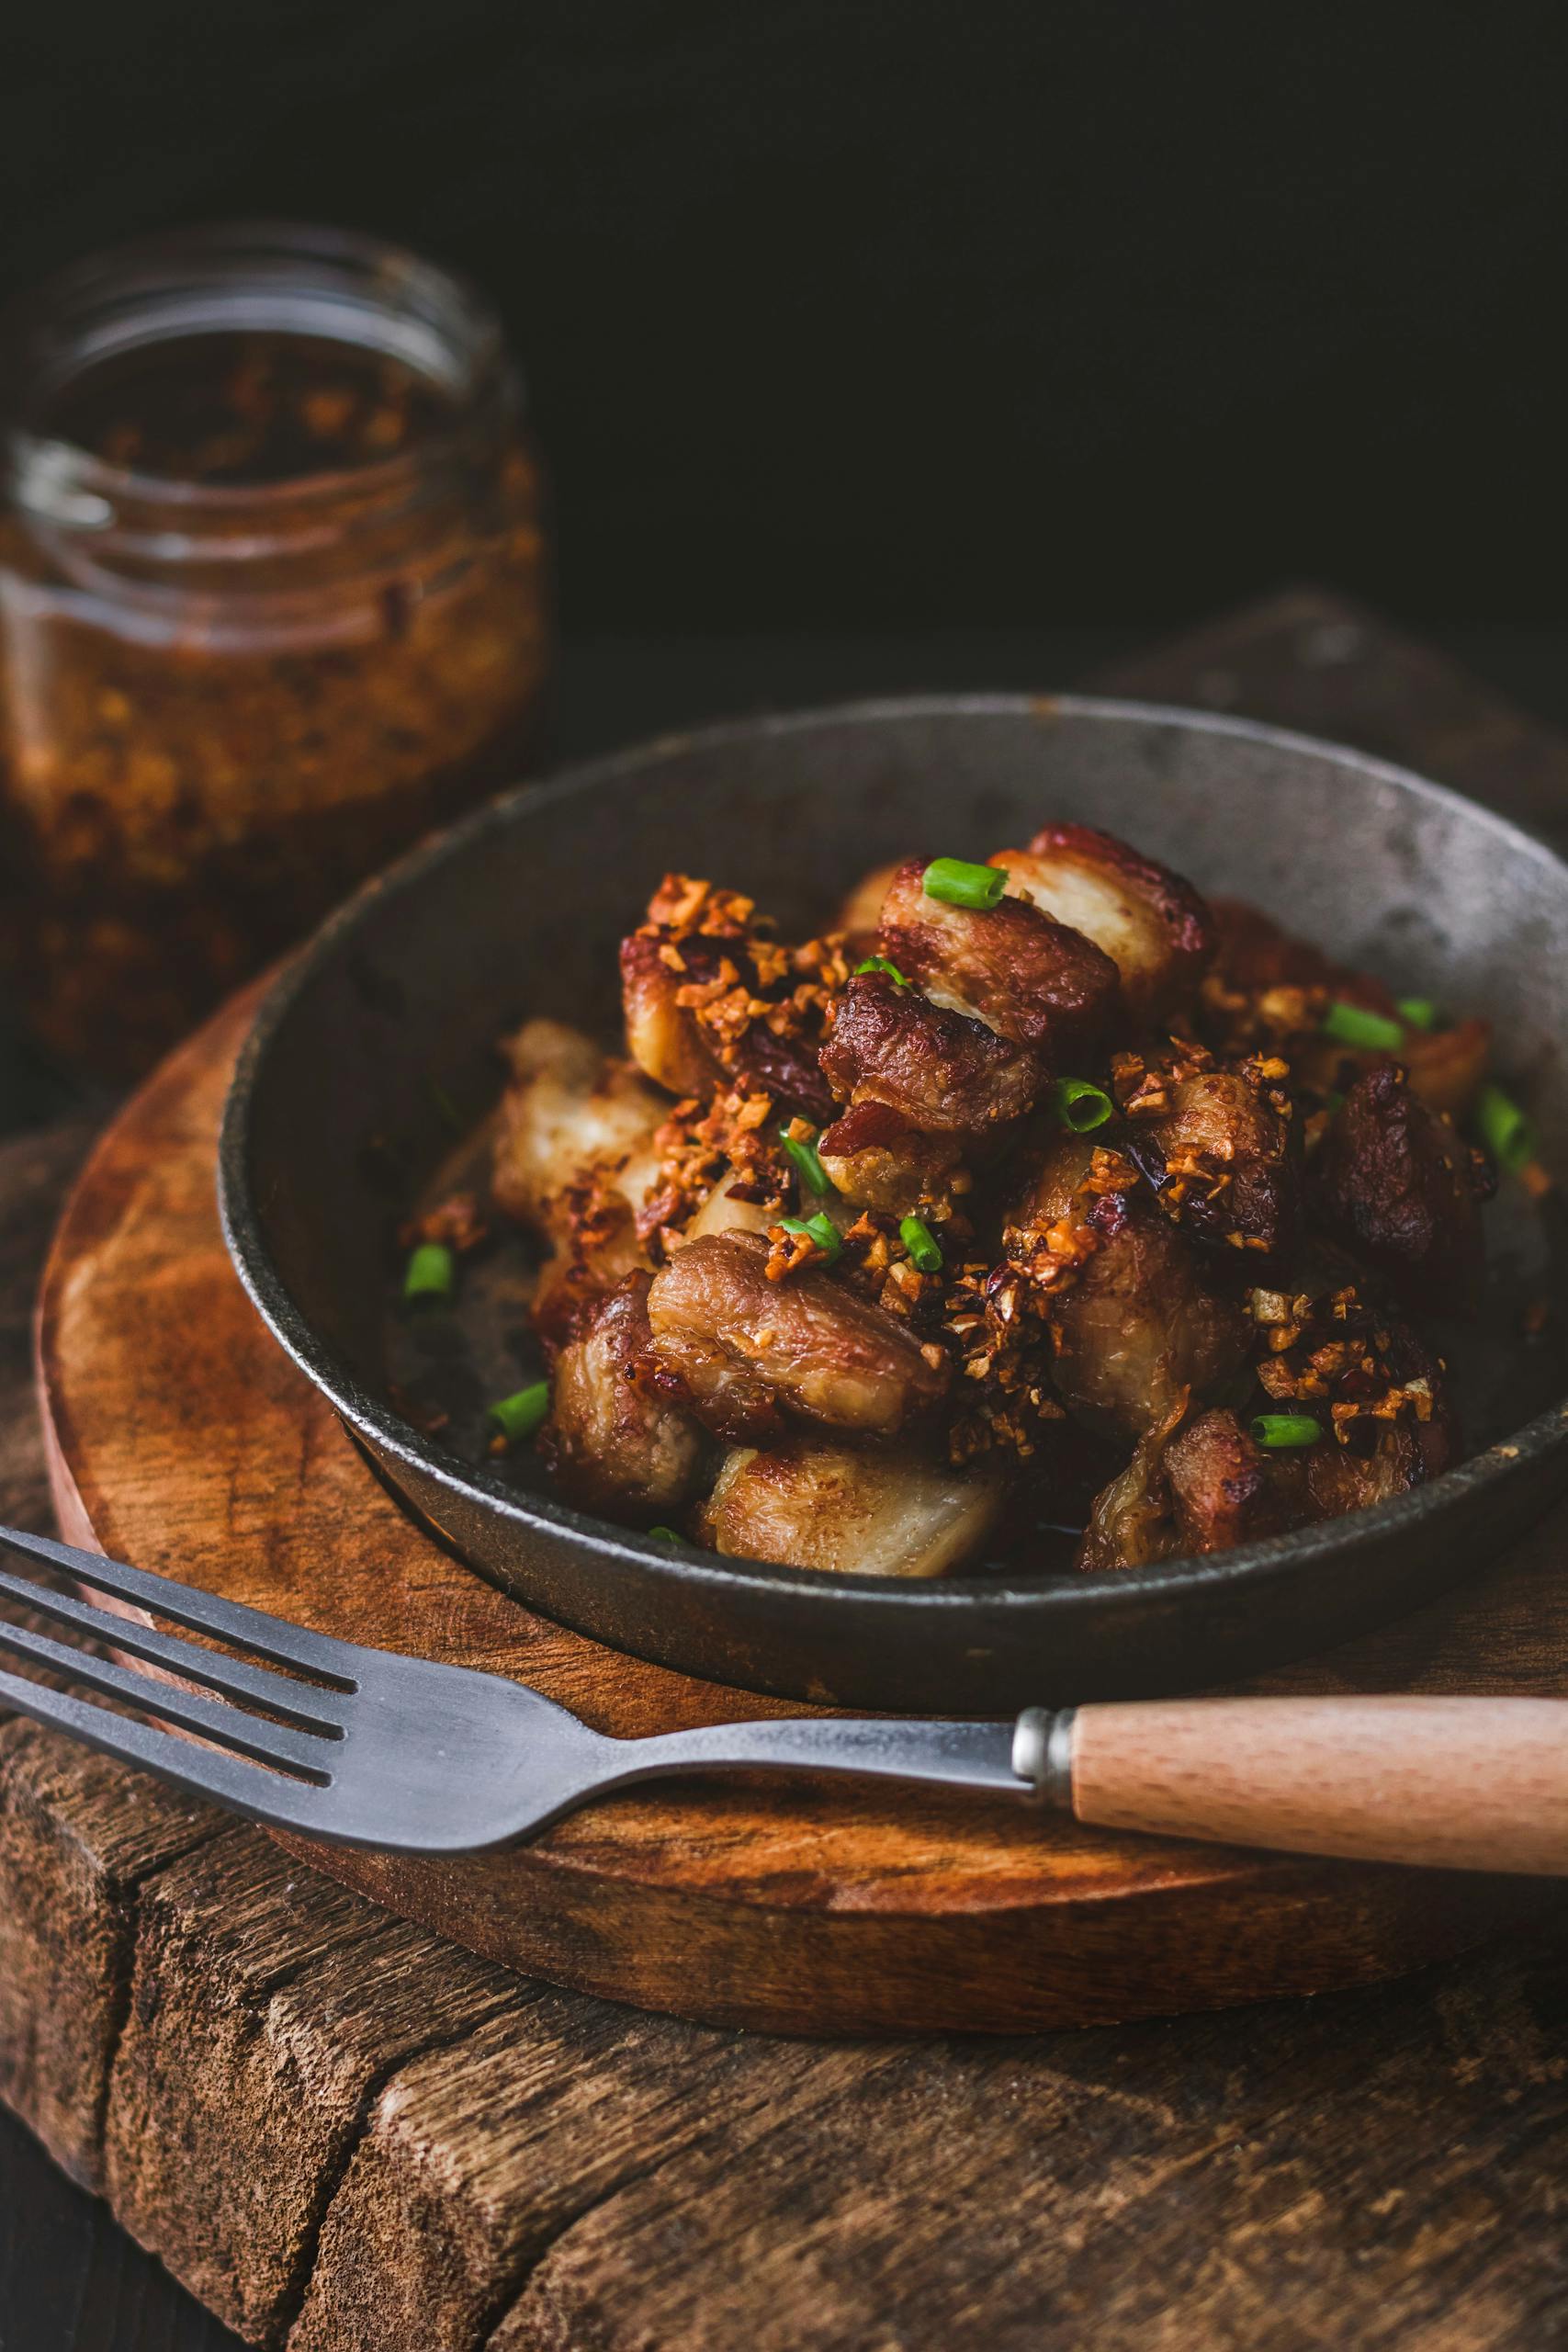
(183, 1441)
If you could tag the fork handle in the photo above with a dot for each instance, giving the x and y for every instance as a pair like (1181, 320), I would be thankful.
(1476, 1784)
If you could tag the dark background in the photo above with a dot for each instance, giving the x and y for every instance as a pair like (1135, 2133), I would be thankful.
(891, 314)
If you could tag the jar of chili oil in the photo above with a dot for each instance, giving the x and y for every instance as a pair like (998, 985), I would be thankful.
(273, 599)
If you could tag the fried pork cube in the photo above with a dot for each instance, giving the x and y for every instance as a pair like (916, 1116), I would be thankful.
(940, 1071)
(1153, 925)
(877, 1161)
(616, 1445)
(859, 913)
(1031, 978)
(746, 1352)
(810, 1504)
(1223, 1152)
(1207, 1487)
(572, 1112)
(1399, 1187)
(709, 995)
(1139, 1327)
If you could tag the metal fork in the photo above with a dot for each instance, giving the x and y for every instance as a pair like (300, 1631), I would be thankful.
(365, 1748)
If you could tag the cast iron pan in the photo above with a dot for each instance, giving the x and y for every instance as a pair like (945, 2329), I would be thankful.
(342, 1106)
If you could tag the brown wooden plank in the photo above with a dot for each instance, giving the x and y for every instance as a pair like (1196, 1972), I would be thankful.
(477, 2157)
(78, 1838)
(266, 2007)
(1372, 2169)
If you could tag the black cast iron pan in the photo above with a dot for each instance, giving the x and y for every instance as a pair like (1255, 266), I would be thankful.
(340, 1107)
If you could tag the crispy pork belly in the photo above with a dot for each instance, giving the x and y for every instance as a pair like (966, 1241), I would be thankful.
(877, 1159)
(725, 1211)
(1140, 1326)
(1225, 1490)
(1031, 978)
(709, 994)
(808, 1504)
(939, 1070)
(662, 1035)
(748, 1352)
(617, 1446)
(1153, 925)
(1446, 1066)
(859, 913)
(1403, 1191)
(1131, 1524)
(1223, 1157)
(570, 1112)
(1254, 952)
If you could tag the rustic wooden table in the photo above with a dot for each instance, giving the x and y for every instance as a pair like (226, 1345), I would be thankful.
(344, 2133)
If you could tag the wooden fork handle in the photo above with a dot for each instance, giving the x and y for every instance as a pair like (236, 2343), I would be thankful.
(1474, 1785)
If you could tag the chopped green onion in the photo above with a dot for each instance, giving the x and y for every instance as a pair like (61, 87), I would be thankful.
(881, 964)
(1418, 1012)
(518, 1415)
(804, 1162)
(1283, 1429)
(431, 1271)
(666, 1535)
(922, 1244)
(1334, 1099)
(819, 1228)
(959, 884)
(1506, 1131)
(1352, 1025)
(1080, 1105)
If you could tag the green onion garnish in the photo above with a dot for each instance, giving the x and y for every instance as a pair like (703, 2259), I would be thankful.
(959, 884)
(1334, 1100)
(922, 1244)
(819, 1228)
(1418, 1012)
(1080, 1105)
(804, 1160)
(431, 1271)
(1283, 1429)
(1352, 1025)
(665, 1534)
(1506, 1131)
(517, 1416)
(881, 964)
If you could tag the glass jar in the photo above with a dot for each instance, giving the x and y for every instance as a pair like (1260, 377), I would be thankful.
(273, 599)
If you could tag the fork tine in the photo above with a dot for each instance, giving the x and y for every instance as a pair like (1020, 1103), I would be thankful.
(301, 1703)
(271, 1743)
(203, 1612)
(228, 1780)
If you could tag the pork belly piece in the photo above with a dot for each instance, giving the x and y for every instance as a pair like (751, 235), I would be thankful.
(616, 1445)
(1139, 1327)
(1401, 1188)
(1031, 978)
(1153, 925)
(861, 911)
(877, 1161)
(570, 1112)
(1131, 1524)
(709, 994)
(1221, 1149)
(746, 1352)
(1205, 1487)
(810, 1504)
(940, 1071)
(1225, 1489)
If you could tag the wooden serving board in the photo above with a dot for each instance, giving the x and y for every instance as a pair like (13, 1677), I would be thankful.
(181, 1440)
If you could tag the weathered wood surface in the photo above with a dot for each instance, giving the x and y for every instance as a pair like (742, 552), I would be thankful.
(520, 2170)
(773, 1902)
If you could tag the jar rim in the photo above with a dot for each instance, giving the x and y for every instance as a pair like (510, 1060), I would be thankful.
(257, 274)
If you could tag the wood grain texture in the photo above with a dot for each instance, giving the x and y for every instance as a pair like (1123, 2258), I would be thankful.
(1380, 2167)
(771, 1904)
(1440, 1782)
